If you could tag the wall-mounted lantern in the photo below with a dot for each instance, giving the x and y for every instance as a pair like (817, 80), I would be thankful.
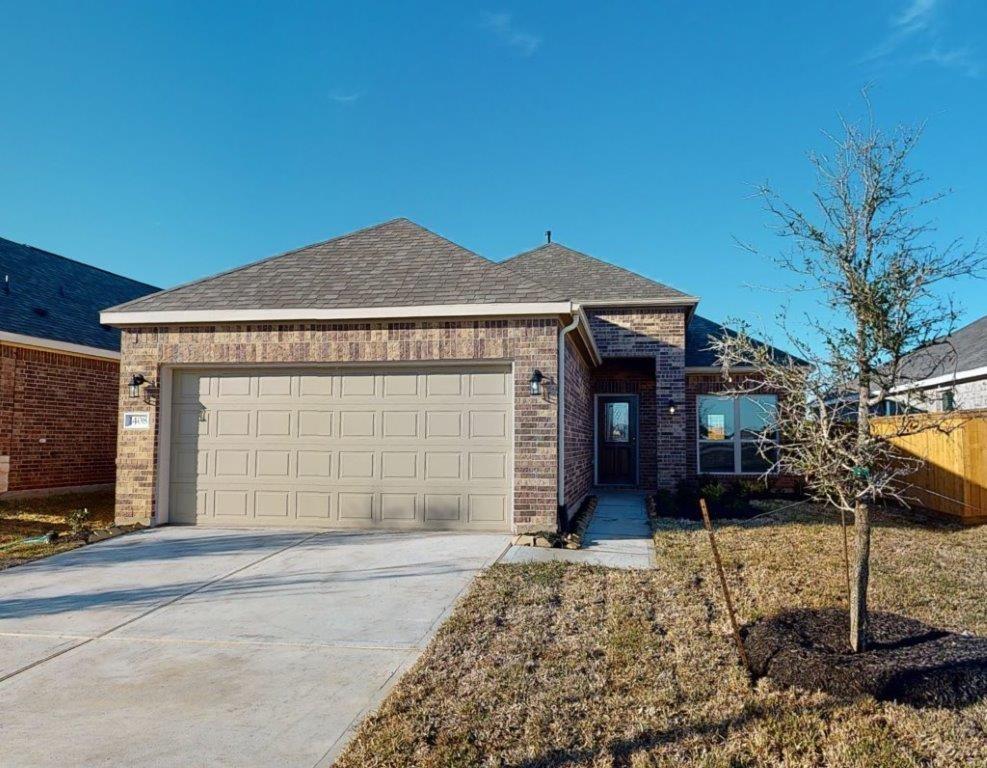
(671, 407)
(136, 381)
(535, 382)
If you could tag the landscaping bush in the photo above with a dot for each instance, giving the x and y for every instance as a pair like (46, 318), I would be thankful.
(725, 497)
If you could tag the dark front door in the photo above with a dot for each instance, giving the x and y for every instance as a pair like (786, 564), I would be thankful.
(616, 440)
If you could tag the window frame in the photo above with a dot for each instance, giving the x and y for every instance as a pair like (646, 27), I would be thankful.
(737, 438)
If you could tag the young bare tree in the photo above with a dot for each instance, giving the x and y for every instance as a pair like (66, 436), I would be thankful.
(868, 256)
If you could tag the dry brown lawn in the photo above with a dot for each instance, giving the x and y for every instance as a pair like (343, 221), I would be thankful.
(21, 518)
(556, 665)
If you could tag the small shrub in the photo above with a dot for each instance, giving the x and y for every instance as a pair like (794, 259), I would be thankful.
(80, 520)
(714, 492)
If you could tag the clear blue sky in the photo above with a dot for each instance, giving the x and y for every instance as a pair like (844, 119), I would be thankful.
(171, 140)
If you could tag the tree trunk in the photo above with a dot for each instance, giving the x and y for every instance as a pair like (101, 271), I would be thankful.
(861, 514)
(861, 575)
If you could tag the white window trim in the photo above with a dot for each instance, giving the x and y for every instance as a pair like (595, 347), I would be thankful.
(736, 439)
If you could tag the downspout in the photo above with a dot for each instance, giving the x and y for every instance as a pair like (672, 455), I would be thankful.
(560, 442)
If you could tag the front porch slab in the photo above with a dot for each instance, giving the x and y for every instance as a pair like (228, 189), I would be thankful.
(618, 536)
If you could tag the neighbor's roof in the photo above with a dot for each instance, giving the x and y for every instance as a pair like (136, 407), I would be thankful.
(701, 331)
(963, 350)
(51, 297)
(394, 264)
(586, 279)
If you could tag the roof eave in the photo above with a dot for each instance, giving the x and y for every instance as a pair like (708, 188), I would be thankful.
(56, 345)
(663, 301)
(190, 317)
(586, 331)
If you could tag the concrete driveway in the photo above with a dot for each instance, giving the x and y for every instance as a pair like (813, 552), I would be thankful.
(205, 647)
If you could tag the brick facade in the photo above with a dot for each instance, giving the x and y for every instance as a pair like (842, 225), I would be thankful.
(57, 419)
(578, 427)
(529, 342)
(655, 334)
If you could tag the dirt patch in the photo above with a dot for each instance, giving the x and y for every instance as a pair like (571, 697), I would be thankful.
(907, 661)
(29, 518)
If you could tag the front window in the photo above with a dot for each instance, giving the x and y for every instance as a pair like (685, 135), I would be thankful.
(731, 431)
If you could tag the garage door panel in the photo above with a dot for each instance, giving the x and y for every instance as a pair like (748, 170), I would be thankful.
(488, 509)
(401, 507)
(233, 423)
(398, 424)
(314, 464)
(443, 384)
(315, 423)
(357, 424)
(228, 503)
(274, 423)
(401, 385)
(311, 385)
(444, 507)
(356, 506)
(493, 385)
(389, 448)
(233, 385)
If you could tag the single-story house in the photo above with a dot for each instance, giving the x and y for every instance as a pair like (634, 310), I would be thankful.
(59, 371)
(948, 375)
(390, 378)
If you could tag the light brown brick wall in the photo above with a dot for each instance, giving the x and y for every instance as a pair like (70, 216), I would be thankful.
(529, 343)
(578, 427)
(657, 334)
(57, 418)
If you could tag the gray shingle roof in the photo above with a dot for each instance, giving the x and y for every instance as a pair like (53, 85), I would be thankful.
(52, 297)
(397, 263)
(702, 330)
(963, 350)
(585, 278)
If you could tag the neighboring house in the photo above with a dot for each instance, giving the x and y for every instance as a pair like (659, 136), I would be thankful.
(947, 375)
(950, 375)
(390, 378)
(59, 370)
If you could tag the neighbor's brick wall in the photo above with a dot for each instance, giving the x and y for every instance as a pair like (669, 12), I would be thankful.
(70, 402)
(578, 427)
(530, 343)
(657, 334)
(967, 396)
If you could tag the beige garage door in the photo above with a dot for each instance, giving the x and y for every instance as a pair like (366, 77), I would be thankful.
(387, 448)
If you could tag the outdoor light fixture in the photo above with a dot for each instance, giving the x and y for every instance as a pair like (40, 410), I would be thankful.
(535, 382)
(135, 384)
(671, 407)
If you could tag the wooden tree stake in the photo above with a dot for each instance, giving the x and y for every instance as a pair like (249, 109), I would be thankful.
(723, 583)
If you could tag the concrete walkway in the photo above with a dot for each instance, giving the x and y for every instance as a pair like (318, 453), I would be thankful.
(204, 647)
(618, 536)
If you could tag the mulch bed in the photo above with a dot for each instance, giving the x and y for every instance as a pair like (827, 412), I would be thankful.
(907, 661)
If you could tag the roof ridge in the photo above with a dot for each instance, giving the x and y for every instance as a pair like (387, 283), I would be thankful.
(266, 259)
(596, 260)
(81, 263)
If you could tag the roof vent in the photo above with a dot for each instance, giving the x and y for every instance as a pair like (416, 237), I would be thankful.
(548, 236)
(40, 311)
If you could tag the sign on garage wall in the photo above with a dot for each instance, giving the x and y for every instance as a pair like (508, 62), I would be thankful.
(137, 420)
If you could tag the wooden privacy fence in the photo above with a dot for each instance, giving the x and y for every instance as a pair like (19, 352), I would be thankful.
(953, 479)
